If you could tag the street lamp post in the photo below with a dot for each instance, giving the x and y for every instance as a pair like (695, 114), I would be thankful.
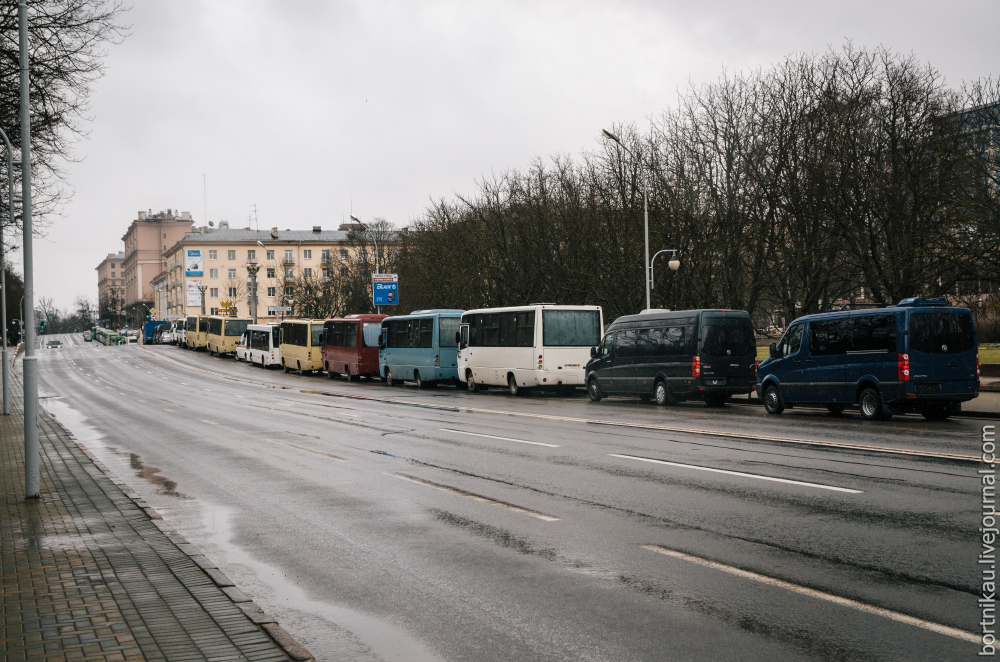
(252, 269)
(203, 288)
(30, 365)
(3, 272)
(374, 241)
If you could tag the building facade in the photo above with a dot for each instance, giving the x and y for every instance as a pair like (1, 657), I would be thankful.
(111, 289)
(213, 263)
(146, 241)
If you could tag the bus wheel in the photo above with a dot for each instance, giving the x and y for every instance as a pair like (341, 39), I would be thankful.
(388, 378)
(772, 400)
(351, 377)
(512, 385)
(470, 382)
(661, 392)
(419, 379)
(594, 390)
(330, 373)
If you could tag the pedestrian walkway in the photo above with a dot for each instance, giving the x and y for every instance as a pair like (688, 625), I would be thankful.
(89, 572)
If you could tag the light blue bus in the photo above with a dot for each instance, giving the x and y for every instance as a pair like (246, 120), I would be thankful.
(420, 347)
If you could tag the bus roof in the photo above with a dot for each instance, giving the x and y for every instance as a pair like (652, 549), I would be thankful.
(533, 306)
(441, 312)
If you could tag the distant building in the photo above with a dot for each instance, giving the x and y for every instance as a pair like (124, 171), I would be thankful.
(111, 288)
(146, 240)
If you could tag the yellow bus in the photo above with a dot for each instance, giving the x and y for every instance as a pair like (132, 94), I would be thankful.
(301, 345)
(196, 328)
(224, 332)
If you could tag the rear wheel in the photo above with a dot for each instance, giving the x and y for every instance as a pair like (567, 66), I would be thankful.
(512, 385)
(470, 382)
(594, 390)
(389, 380)
(772, 400)
(871, 406)
(351, 377)
(419, 379)
(661, 392)
(330, 373)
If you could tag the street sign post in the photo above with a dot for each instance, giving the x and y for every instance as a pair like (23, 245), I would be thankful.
(385, 289)
(278, 309)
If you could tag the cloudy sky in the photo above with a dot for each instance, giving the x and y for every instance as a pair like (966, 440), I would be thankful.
(312, 109)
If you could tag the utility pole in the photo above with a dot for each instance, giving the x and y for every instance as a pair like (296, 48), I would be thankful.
(31, 475)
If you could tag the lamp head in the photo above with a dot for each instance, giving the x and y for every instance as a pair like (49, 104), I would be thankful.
(674, 264)
(610, 136)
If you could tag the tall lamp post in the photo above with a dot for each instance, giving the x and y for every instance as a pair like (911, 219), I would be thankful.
(252, 269)
(203, 288)
(374, 241)
(3, 272)
(645, 215)
(30, 365)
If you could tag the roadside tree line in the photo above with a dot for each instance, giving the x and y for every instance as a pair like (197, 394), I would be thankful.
(854, 176)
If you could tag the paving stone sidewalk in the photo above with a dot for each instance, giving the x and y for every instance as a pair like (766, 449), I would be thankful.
(89, 572)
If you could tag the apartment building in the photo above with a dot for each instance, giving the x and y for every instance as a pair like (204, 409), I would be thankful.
(111, 288)
(215, 260)
(146, 240)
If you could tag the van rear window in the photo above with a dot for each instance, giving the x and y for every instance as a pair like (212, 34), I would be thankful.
(724, 340)
(941, 333)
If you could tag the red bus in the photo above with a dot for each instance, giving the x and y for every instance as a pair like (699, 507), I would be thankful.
(350, 346)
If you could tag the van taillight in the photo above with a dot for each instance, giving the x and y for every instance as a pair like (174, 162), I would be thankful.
(903, 367)
(977, 366)
(696, 366)
(755, 367)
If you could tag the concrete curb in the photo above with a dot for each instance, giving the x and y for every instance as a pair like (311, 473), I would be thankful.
(254, 612)
(966, 413)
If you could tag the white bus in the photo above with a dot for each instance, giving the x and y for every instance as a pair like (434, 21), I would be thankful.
(262, 345)
(525, 347)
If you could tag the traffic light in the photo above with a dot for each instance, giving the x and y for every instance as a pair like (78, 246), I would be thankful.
(42, 326)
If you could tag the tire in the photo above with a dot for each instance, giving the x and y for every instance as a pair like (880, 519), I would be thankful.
(419, 379)
(772, 400)
(716, 399)
(936, 414)
(594, 390)
(512, 386)
(836, 410)
(661, 392)
(470, 382)
(389, 381)
(871, 407)
(330, 373)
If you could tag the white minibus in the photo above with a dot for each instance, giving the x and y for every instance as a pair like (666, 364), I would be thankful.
(525, 347)
(262, 345)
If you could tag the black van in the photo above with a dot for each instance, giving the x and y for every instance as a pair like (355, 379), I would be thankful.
(672, 356)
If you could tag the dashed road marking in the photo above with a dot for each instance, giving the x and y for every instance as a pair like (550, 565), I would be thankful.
(308, 450)
(490, 436)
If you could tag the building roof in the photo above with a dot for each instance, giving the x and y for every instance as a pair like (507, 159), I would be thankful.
(224, 235)
(117, 257)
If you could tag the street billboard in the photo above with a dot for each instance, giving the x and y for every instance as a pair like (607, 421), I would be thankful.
(193, 263)
(193, 293)
(385, 289)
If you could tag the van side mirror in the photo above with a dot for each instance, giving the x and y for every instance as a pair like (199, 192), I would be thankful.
(593, 352)
(773, 350)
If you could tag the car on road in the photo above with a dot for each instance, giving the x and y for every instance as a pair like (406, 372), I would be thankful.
(165, 338)
(676, 355)
(54, 344)
(919, 355)
(88, 336)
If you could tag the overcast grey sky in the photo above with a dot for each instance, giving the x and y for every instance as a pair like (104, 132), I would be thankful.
(311, 108)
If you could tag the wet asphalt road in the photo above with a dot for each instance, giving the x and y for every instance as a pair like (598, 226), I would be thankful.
(399, 524)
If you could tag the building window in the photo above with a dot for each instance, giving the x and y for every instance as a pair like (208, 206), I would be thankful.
(326, 273)
(232, 273)
(289, 273)
(288, 256)
(213, 273)
(325, 256)
(270, 272)
(343, 253)
(288, 291)
(231, 255)
(213, 292)
(307, 254)
(251, 256)
(213, 255)
(232, 291)
(112, 265)
(272, 291)
(112, 274)
(307, 273)
(270, 255)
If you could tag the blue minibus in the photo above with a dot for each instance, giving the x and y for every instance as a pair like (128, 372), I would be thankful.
(420, 347)
(919, 355)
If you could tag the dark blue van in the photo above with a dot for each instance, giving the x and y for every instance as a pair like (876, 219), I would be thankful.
(919, 355)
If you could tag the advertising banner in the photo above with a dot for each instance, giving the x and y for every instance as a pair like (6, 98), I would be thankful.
(385, 289)
(193, 263)
(193, 294)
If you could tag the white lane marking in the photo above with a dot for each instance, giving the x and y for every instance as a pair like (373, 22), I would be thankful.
(142, 401)
(171, 411)
(738, 473)
(287, 404)
(209, 422)
(813, 593)
(476, 497)
(308, 450)
(490, 436)
(208, 390)
(238, 396)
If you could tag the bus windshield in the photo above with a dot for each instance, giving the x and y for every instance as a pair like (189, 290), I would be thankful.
(571, 328)
(236, 327)
(370, 332)
(447, 328)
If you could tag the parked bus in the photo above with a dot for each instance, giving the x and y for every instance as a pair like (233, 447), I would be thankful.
(676, 355)
(262, 345)
(350, 346)
(222, 333)
(196, 331)
(525, 347)
(301, 346)
(920, 355)
(420, 347)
